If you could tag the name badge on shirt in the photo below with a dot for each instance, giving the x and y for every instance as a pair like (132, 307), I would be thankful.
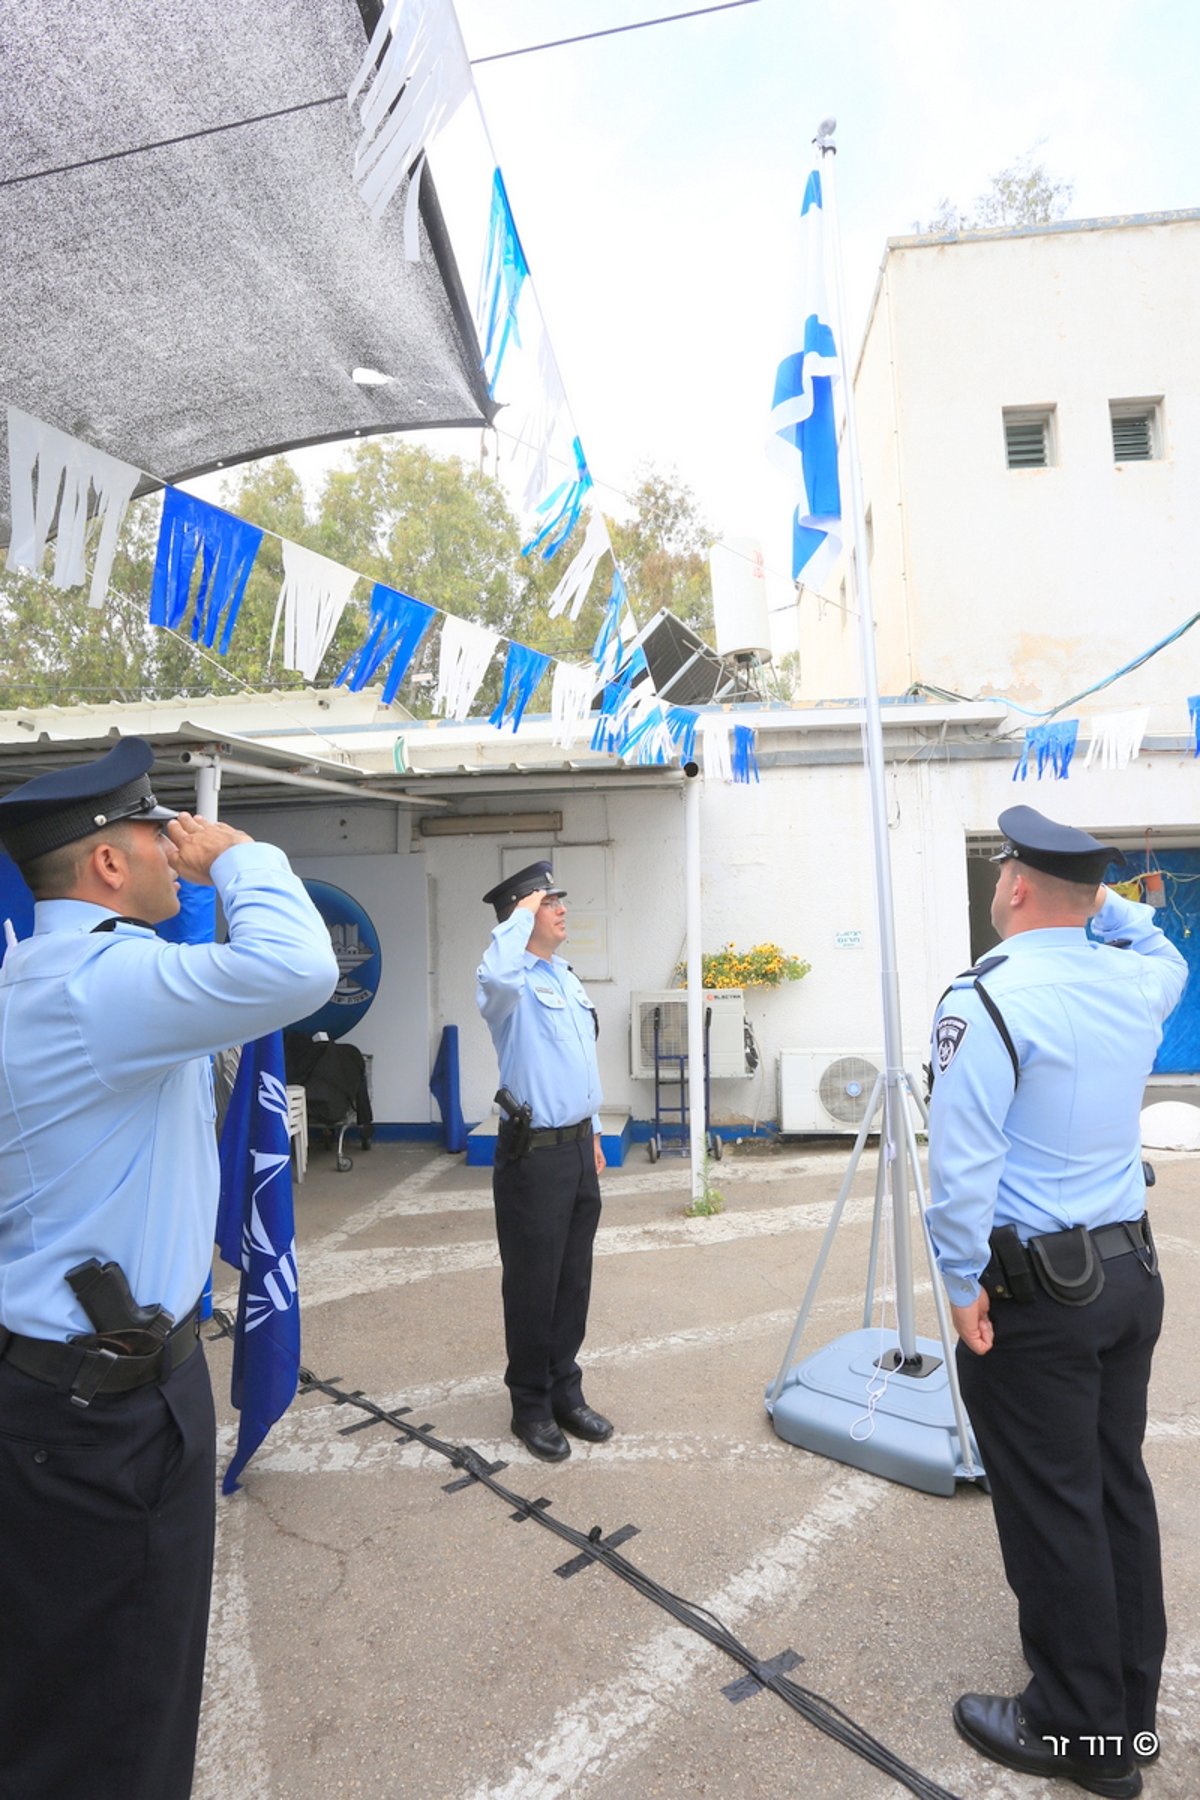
(949, 1035)
(548, 996)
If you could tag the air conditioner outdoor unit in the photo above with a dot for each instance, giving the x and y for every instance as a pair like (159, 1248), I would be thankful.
(726, 1032)
(828, 1091)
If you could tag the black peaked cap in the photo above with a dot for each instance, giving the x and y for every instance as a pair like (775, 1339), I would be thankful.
(1061, 850)
(506, 893)
(57, 809)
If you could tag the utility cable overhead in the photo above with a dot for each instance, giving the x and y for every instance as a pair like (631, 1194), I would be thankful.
(697, 12)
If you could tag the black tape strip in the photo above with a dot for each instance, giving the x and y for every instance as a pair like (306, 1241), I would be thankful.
(466, 1481)
(746, 1686)
(612, 1542)
(532, 1506)
(366, 1424)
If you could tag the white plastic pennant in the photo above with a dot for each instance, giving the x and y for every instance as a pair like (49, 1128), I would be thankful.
(1117, 738)
(571, 700)
(715, 748)
(647, 737)
(538, 428)
(413, 78)
(465, 651)
(572, 590)
(49, 472)
(311, 601)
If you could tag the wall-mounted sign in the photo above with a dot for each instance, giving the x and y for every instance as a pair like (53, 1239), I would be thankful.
(848, 940)
(359, 960)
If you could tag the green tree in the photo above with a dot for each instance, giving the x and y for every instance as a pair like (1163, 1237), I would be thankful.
(1023, 194)
(429, 526)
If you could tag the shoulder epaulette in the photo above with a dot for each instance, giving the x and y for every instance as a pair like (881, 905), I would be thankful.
(983, 967)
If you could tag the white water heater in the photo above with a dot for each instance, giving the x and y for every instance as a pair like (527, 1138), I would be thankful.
(739, 591)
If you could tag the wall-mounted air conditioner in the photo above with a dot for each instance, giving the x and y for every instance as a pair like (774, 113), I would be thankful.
(828, 1091)
(726, 1032)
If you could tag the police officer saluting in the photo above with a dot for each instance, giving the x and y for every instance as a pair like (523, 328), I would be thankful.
(108, 1197)
(546, 1182)
(1041, 1055)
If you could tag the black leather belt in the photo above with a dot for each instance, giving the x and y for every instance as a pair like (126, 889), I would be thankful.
(85, 1372)
(560, 1134)
(1119, 1240)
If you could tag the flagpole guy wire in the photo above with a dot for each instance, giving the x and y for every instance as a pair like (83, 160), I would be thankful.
(593, 1547)
(894, 1086)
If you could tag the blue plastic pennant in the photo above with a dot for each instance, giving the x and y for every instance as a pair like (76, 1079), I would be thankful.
(397, 625)
(191, 529)
(606, 651)
(649, 741)
(1051, 744)
(504, 271)
(745, 763)
(523, 670)
(682, 723)
(564, 504)
(1194, 715)
(609, 732)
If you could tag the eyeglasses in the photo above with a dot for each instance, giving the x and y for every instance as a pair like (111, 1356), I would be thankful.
(555, 902)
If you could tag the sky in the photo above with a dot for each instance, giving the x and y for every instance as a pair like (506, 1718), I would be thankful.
(655, 178)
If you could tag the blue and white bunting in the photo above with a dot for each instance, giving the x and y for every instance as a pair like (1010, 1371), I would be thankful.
(803, 425)
(1052, 746)
(412, 80)
(523, 671)
(1194, 715)
(571, 592)
(192, 531)
(464, 653)
(745, 762)
(564, 504)
(397, 627)
(504, 273)
(571, 701)
(682, 723)
(256, 1234)
(50, 475)
(311, 602)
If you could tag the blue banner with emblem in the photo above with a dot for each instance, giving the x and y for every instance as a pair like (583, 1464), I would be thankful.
(256, 1234)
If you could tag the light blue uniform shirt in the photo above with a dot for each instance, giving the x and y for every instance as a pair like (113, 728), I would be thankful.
(541, 1024)
(107, 1145)
(1064, 1148)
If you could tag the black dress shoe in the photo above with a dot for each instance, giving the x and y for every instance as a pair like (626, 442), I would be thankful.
(584, 1423)
(995, 1726)
(542, 1438)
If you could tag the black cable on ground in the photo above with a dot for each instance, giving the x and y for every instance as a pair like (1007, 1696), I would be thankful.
(593, 1547)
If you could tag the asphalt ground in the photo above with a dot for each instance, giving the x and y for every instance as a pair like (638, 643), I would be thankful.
(373, 1635)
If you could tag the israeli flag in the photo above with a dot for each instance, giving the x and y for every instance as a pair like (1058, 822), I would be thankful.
(803, 443)
(256, 1234)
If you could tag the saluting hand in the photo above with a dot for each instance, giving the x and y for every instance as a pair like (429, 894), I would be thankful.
(531, 902)
(973, 1325)
(197, 844)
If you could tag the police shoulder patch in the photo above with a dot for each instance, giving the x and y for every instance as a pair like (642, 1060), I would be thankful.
(947, 1037)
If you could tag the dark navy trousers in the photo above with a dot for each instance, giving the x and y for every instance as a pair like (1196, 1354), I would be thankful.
(1059, 1410)
(106, 1550)
(547, 1210)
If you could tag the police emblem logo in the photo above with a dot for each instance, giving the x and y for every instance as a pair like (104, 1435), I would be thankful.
(949, 1035)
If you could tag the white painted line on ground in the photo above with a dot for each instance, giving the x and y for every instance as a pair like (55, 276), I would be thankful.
(607, 1726)
(326, 1276)
(232, 1753)
(416, 1196)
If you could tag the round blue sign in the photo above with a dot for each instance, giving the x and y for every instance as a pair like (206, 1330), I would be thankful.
(359, 960)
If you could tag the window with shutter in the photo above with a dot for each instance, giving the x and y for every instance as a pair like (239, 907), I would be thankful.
(1135, 435)
(1029, 437)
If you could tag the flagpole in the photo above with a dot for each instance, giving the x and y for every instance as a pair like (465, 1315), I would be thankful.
(892, 1127)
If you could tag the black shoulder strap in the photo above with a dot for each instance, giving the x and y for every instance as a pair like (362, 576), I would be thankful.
(993, 1012)
(121, 919)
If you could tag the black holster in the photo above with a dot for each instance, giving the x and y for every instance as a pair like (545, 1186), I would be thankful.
(1068, 1265)
(512, 1135)
(1009, 1274)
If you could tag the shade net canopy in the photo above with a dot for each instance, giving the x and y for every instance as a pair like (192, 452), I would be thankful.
(189, 304)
